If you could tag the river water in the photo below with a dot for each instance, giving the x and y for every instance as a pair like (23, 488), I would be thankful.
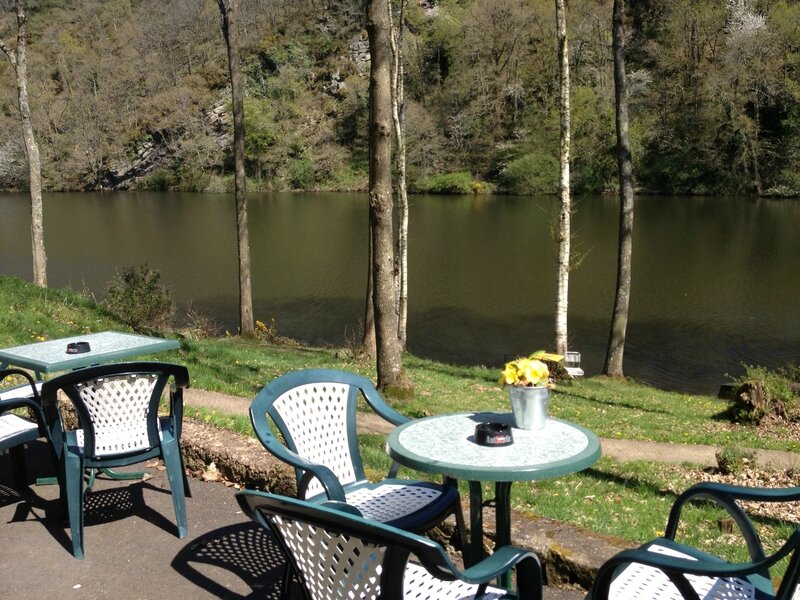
(715, 280)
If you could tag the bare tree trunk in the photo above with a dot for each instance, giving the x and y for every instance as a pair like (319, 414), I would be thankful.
(389, 357)
(229, 31)
(368, 343)
(619, 321)
(398, 116)
(564, 226)
(19, 62)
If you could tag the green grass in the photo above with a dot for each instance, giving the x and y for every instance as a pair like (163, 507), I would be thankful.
(626, 500)
(238, 423)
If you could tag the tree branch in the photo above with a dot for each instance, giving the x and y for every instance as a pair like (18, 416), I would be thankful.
(10, 55)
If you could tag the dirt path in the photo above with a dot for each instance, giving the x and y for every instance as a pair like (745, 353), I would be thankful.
(622, 450)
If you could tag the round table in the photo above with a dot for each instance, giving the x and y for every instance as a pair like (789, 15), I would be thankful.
(445, 444)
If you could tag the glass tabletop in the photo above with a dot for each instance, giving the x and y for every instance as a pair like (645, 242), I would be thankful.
(445, 444)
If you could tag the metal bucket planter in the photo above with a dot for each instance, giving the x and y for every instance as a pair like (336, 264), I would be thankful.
(529, 405)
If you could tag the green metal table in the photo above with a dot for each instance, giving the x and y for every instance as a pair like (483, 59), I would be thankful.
(52, 356)
(445, 445)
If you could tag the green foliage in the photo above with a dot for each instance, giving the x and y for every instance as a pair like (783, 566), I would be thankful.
(300, 173)
(448, 183)
(732, 460)
(787, 185)
(533, 173)
(717, 111)
(160, 180)
(137, 298)
(29, 313)
(593, 149)
(762, 394)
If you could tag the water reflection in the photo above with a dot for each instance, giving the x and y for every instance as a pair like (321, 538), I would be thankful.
(714, 280)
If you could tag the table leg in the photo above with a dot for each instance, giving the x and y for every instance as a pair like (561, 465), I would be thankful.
(503, 523)
(475, 521)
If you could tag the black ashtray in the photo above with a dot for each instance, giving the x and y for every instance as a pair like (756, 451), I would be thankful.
(78, 347)
(493, 434)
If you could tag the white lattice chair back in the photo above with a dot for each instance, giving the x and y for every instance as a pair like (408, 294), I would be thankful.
(315, 417)
(333, 566)
(118, 406)
(337, 566)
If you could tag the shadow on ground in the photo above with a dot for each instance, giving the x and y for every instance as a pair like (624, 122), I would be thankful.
(246, 550)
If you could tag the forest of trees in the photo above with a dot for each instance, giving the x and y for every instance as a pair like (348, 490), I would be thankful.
(134, 93)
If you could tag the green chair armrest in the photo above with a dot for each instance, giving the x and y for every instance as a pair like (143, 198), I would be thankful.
(676, 568)
(379, 405)
(501, 561)
(33, 402)
(333, 488)
(726, 495)
(742, 492)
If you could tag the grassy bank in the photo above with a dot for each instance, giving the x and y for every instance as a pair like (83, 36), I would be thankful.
(596, 498)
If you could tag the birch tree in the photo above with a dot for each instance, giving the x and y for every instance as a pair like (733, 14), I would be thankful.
(619, 321)
(398, 116)
(19, 64)
(228, 10)
(563, 234)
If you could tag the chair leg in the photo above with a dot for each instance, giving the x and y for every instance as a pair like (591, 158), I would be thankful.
(18, 462)
(187, 491)
(73, 478)
(170, 451)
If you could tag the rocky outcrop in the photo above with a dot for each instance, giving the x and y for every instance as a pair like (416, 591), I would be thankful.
(359, 54)
(156, 153)
(150, 155)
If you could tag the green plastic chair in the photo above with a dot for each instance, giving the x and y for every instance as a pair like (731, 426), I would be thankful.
(315, 412)
(337, 554)
(17, 430)
(665, 568)
(117, 407)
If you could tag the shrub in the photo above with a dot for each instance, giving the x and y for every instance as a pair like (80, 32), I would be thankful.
(160, 180)
(761, 394)
(533, 173)
(138, 299)
(447, 183)
(198, 325)
(300, 173)
(733, 459)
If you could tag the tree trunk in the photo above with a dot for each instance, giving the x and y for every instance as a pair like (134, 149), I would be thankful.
(389, 357)
(368, 343)
(19, 62)
(619, 321)
(565, 214)
(228, 11)
(398, 116)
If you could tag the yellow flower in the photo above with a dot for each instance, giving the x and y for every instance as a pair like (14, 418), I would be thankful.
(509, 376)
(525, 371)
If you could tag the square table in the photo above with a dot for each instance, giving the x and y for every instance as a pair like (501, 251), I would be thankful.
(445, 445)
(51, 356)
